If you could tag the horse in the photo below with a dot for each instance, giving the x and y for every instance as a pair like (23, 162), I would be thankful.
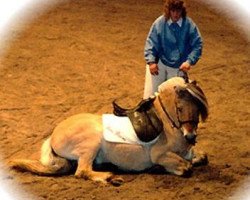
(79, 139)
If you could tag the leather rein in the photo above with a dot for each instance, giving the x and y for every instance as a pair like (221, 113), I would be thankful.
(184, 75)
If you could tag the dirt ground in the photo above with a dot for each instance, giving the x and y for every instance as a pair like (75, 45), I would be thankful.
(81, 55)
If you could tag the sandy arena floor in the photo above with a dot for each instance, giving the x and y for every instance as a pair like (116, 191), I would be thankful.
(81, 55)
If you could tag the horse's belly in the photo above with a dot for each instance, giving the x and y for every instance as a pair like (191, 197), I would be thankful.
(125, 156)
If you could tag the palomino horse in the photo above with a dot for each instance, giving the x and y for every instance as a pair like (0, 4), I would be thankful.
(178, 105)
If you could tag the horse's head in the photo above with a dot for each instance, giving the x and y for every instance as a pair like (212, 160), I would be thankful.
(184, 107)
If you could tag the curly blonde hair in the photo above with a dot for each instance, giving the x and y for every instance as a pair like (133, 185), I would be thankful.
(174, 5)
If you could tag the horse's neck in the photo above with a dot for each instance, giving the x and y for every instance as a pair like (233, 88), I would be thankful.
(173, 137)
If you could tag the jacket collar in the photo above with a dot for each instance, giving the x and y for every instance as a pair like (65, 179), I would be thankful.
(179, 22)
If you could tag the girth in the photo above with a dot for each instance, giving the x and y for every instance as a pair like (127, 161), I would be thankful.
(144, 119)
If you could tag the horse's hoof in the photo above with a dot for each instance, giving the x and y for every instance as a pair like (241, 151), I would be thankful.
(200, 161)
(187, 173)
(116, 181)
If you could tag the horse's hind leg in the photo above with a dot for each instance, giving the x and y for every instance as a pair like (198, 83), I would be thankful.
(86, 156)
(84, 170)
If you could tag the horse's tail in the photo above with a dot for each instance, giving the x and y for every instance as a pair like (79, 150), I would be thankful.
(49, 163)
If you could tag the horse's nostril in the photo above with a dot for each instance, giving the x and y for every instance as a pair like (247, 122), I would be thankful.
(191, 138)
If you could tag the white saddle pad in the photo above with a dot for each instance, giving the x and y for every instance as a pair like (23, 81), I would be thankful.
(120, 130)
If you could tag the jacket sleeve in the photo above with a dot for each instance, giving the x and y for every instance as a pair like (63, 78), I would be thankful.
(151, 50)
(196, 44)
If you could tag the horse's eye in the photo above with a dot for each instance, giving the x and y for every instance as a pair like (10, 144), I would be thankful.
(179, 109)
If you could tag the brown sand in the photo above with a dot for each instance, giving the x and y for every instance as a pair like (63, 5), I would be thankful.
(81, 55)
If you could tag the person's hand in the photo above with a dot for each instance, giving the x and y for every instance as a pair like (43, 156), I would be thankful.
(153, 67)
(185, 67)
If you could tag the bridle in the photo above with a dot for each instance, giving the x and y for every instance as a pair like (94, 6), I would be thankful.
(180, 122)
(173, 124)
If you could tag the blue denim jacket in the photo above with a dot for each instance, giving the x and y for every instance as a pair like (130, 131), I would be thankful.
(172, 50)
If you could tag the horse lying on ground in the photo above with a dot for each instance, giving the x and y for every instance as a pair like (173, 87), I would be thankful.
(178, 106)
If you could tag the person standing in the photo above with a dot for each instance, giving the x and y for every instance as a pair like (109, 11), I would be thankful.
(173, 44)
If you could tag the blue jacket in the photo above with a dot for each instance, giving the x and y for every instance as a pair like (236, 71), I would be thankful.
(173, 50)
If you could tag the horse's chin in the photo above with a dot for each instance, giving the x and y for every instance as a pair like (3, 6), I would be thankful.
(193, 142)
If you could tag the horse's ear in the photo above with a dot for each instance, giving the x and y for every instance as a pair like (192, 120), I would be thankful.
(176, 88)
(180, 91)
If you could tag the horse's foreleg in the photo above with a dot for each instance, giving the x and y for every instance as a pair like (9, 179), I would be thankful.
(174, 164)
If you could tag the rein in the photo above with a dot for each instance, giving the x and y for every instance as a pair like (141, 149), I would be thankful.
(184, 75)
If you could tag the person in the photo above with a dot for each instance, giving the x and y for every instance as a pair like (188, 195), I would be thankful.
(174, 44)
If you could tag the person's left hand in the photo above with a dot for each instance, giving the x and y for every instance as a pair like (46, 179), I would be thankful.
(185, 66)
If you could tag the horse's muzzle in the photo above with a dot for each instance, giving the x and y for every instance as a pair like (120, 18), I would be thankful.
(191, 138)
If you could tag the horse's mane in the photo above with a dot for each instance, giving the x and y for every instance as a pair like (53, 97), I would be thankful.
(199, 95)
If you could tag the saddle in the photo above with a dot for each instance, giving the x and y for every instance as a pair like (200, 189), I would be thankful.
(143, 117)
